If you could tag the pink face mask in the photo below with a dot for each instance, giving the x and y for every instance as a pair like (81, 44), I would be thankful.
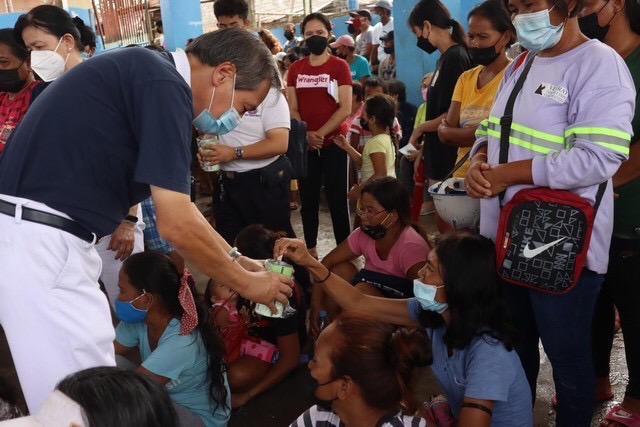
(424, 93)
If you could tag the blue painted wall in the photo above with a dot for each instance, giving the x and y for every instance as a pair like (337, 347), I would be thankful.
(8, 20)
(181, 21)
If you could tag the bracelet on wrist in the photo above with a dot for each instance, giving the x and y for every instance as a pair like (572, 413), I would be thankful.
(326, 278)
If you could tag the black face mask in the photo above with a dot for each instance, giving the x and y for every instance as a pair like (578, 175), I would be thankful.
(288, 35)
(377, 231)
(483, 55)
(426, 45)
(351, 29)
(388, 50)
(589, 26)
(364, 124)
(317, 44)
(10, 80)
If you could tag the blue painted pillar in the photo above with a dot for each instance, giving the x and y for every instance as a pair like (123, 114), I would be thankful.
(181, 20)
(411, 62)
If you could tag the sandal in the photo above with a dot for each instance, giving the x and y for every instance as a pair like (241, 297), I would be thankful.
(618, 414)
(600, 398)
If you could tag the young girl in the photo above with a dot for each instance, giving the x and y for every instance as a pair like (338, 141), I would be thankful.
(177, 343)
(460, 308)
(234, 326)
(378, 158)
(250, 376)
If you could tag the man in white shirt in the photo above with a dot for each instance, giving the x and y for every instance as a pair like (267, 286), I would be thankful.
(365, 38)
(254, 174)
(382, 8)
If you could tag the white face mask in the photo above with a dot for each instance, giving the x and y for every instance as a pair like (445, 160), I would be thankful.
(48, 64)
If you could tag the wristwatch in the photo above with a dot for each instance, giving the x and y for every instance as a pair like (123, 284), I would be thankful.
(234, 253)
(131, 219)
(239, 152)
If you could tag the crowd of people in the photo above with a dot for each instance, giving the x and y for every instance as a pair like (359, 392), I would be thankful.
(97, 223)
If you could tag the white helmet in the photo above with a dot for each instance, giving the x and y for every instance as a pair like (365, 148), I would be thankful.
(454, 205)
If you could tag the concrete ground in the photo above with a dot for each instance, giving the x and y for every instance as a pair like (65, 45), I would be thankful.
(281, 405)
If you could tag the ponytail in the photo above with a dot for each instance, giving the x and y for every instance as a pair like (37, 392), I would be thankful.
(87, 36)
(457, 33)
(373, 353)
(409, 349)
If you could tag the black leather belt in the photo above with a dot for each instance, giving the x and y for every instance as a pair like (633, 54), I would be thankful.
(250, 173)
(46, 218)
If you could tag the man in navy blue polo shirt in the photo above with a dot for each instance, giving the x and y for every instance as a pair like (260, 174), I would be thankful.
(100, 139)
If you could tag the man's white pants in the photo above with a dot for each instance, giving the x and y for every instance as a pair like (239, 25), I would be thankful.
(56, 319)
(110, 265)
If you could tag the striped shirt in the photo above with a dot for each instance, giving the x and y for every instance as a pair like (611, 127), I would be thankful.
(320, 417)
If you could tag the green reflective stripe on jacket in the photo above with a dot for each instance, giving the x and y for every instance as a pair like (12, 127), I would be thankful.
(539, 142)
(611, 139)
(481, 130)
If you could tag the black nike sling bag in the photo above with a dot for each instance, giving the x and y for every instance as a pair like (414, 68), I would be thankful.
(543, 234)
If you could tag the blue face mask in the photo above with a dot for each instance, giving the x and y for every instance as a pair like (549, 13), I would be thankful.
(228, 121)
(426, 294)
(535, 32)
(126, 312)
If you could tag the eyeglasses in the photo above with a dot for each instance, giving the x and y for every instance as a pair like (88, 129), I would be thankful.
(362, 213)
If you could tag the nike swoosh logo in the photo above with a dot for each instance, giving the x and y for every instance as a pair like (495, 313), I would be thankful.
(528, 252)
(623, 414)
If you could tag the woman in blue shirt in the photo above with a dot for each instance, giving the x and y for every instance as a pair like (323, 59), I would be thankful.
(456, 300)
(178, 346)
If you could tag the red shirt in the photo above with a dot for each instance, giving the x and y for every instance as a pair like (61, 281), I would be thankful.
(12, 110)
(312, 84)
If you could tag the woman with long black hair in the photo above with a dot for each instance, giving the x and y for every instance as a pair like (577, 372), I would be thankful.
(179, 347)
(436, 30)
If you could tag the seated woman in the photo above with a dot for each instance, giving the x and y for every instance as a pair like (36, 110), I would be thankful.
(350, 364)
(250, 375)
(178, 345)
(393, 247)
(456, 300)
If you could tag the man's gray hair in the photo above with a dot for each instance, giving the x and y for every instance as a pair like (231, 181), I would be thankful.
(254, 63)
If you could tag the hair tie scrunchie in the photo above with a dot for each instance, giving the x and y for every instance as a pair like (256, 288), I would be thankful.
(189, 320)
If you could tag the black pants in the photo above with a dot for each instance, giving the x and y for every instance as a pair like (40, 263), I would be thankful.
(327, 167)
(621, 287)
(260, 196)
